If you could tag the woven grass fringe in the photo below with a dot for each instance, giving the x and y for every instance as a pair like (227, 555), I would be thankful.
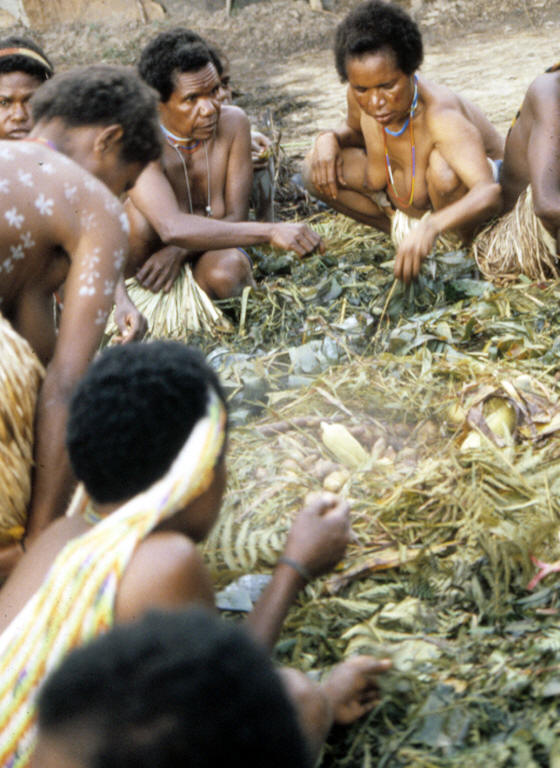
(517, 244)
(186, 308)
(402, 224)
(20, 377)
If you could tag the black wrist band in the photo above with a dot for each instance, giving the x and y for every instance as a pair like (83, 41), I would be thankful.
(301, 569)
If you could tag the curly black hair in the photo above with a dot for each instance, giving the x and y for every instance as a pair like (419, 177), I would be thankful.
(20, 62)
(218, 57)
(373, 26)
(131, 414)
(177, 50)
(175, 689)
(103, 95)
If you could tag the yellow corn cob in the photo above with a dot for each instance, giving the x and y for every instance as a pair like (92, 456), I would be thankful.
(343, 445)
(502, 421)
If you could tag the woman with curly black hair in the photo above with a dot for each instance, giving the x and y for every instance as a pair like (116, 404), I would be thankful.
(412, 158)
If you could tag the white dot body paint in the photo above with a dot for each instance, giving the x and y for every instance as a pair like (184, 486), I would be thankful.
(27, 240)
(44, 205)
(25, 178)
(101, 317)
(70, 192)
(90, 275)
(17, 252)
(112, 205)
(94, 185)
(125, 224)
(31, 207)
(14, 218)
(88, 220)
(118, 258)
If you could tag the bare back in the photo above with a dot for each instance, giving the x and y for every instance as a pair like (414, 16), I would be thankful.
(531, 155)
(59, 224)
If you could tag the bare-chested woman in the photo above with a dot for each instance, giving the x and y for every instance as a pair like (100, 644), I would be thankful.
(407, 143)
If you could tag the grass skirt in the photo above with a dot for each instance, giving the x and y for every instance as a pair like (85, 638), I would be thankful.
(517, 244)
(402, 224)
(20, 377)
(185, 309)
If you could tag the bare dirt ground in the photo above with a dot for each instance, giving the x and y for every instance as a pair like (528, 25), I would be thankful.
(282, 62)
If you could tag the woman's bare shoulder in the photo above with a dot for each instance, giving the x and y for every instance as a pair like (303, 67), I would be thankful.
(166, 571)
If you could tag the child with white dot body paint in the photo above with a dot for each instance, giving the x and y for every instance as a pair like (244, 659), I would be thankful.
(61, 221)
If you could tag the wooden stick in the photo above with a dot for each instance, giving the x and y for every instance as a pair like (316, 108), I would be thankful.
(384, 311)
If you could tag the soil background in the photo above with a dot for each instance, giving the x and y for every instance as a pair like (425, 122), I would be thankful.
(282, 62)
